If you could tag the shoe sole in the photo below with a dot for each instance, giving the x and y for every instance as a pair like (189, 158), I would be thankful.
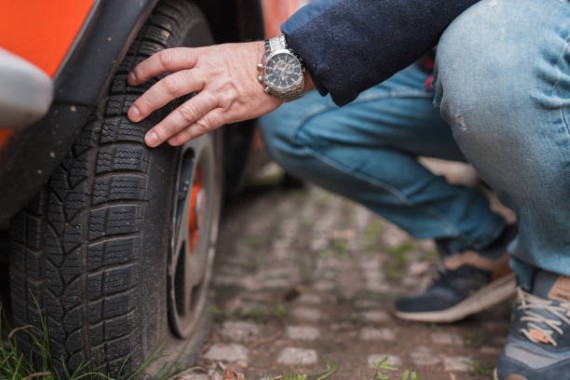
(484, 298)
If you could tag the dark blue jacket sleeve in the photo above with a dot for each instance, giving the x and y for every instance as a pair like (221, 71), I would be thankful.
(351, 45)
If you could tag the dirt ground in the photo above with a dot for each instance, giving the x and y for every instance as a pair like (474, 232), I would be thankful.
(304, 284)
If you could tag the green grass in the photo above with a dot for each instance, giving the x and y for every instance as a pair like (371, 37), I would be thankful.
(397, 264)
(372, 235)
(482, 369)
(15, 365)
(330, 369)
(385, 371)
(336, 248)
(260, 313)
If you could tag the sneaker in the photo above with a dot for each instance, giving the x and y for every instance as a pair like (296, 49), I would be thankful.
(469, 282)
(538, 346)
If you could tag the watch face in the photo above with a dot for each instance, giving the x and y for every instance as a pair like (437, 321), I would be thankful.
(283, 71)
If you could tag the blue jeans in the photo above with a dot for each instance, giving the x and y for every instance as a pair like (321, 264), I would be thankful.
(368, 151)
(503, 85)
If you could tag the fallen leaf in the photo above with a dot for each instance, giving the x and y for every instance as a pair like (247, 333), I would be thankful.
(232, 374)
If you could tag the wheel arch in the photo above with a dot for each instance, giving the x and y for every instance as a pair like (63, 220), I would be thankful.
(30, 156)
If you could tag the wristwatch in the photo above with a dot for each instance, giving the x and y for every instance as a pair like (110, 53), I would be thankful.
(281, 71)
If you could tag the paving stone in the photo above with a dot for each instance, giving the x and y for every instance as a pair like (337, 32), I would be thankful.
(373, 275)
(231, 270)
(424, 356)
(377, 358)
(341, 310)
(194, 376)
(447, 338)
(457, 363)
(309, 298)
(297, 356)
(342, 326)
(302, 332)
(276, 283)
(330, 275)
(266, 297)
(365, 304)
(418, 268)
(369, 333)
(410, 282)
(324, 286)
(362, 217)
(279, 272)
(224, 280)
(426, 244)
(490, 350)
(394, 237)
(240, 330)
(229, 352)
(378, 287)
(306, 313)
(376, 316)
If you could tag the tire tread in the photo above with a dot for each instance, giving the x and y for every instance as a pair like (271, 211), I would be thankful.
(74, 246)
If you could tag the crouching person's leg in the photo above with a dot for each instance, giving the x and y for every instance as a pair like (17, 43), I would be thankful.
(368, 151)
(503, 83)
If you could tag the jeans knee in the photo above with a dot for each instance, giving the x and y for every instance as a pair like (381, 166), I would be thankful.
(281, 130)
(481, 64)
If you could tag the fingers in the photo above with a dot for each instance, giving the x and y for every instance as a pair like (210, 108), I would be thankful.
(166, 60)
(187, 114)
(173, 86)
(208, 123)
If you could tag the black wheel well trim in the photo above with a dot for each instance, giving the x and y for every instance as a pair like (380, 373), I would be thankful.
(30, 157)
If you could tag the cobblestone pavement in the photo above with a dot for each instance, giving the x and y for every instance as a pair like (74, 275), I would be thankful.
(305, 278)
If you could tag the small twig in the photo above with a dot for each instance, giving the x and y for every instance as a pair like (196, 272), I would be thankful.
(376, 373)
(269, 339)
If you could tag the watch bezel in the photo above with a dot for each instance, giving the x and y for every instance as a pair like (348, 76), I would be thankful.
(295, 84)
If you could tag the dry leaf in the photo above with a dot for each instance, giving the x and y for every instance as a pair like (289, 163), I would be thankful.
(231, 374)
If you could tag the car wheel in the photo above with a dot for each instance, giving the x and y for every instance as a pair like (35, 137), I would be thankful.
(116, 251)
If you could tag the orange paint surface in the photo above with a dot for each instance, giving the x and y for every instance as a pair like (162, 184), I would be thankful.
(275, 12)
(41, 31)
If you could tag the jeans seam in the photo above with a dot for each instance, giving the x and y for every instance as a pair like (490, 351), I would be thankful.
(555, 87)
(450, 227)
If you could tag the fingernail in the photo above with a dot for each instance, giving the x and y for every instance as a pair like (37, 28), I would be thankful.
(134, 113)
(132, 78)
(151, 139)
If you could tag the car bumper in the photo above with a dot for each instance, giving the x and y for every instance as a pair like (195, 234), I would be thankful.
(26, 92)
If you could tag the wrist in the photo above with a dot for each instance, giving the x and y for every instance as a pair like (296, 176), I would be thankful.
(309, 84)
(281, 71)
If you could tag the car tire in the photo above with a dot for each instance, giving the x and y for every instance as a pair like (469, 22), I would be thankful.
(116, 251)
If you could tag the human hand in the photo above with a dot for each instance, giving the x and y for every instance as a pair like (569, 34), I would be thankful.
(223, 78)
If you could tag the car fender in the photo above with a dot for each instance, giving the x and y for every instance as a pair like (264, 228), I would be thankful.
(29, 156)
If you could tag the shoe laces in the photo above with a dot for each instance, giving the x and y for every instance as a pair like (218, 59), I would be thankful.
(540, 328)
